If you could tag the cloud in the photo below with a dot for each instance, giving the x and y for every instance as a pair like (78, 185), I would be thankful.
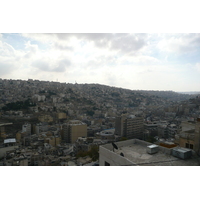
(62, 65)
(49, 65)
(62, 47)
(197, 67)
(6, 50)
(129, 42)
(5, 68)
(123, 42)
(8, 59)
(136, 61)
(180, 43)
(32, 49)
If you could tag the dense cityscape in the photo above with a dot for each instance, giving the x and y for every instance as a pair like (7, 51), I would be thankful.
(46, 123)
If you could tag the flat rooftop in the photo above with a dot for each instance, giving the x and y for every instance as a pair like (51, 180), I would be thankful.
(137, 154)
(75, 122)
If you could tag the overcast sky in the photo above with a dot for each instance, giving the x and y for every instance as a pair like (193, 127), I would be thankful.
(133, 61)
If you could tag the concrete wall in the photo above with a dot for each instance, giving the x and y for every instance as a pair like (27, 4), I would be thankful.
(61, 115)
(183, 141)
(165, 150)
(106, 155)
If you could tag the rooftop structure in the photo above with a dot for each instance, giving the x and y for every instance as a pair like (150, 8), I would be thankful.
(75, 122)
(107, 132)
(135, 152)
(11, 140)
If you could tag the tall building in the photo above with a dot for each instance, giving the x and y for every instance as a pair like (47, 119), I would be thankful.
(129, 126)
(73, 130)
(3, 129)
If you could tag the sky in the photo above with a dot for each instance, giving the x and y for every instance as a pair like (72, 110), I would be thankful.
(138, 61)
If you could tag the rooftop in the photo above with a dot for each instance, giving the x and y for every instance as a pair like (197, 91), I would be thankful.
(136, 152)
(11, 140)
(75, 122)
(107, 132)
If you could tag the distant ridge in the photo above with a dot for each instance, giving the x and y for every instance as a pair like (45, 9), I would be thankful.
(195, 92)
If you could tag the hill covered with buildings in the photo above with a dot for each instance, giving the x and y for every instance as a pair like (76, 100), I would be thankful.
(70, 121)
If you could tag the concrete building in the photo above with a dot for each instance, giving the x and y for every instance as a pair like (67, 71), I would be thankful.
(45, 118)
(129, 126)
(61, 115)
(3, 129)
(73, 130)
(197, 137)
(136, 152)
(9, 145)
(53, 141)
(40, 127)
(162, 131)
(189, 136)
(26, 128)
(172, 130)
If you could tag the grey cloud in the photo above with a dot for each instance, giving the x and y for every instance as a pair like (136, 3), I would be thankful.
(62, 47)
(42, 65)
(196, 39)
(115, 41)
(129, 43)
(88, 36)
(63, 64)
(119, 41)
(63, 36)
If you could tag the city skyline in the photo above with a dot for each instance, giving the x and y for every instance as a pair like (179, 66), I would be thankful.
(132, 61)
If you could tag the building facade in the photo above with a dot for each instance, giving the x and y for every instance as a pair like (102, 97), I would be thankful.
(129, 126)
(73, 130)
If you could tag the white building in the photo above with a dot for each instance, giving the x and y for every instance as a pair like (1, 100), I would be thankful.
(26, 128)
(135, 152)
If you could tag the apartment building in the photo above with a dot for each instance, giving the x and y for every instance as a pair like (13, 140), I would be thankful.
(129, 126)
(73, 130)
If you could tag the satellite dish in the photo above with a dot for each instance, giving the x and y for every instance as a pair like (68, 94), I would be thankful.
(114, 146)
(121, 154)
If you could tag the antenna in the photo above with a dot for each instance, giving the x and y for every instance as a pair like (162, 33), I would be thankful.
(114, 146)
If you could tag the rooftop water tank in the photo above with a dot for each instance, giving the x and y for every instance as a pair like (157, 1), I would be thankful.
(182, 153)
(151, 149)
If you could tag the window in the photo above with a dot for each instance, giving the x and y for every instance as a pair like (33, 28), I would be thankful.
(107, 164)
(187, 145)
(191, 146)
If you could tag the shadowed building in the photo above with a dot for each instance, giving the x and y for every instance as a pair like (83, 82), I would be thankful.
(129, 126)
